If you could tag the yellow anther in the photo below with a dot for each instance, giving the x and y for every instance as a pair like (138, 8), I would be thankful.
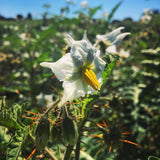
(90, 78)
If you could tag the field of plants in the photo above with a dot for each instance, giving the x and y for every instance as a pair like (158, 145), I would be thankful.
(80, 88)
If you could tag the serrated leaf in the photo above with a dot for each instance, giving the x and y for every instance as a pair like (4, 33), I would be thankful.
(2, 102)
(10, 117)
(132, 93)
(14, 147)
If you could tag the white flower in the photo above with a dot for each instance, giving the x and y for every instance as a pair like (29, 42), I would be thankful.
(147, 16)
(112, 50)
(104, 14)
(45, 99)
(5, 35)
(112, 39)
(84, 4)
(124, 54)
(43, 28)
(16, 28)
(146, 10)
(80, 70)
(6, 43)
(24, 36)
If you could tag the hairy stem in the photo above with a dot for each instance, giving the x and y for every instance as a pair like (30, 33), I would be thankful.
(50, 108)
(77, 152)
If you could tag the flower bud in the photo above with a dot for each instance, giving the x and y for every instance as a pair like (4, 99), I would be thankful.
(42, 133)
(69, 131)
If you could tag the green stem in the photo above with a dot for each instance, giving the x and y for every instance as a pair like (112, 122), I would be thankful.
(70, 148)
(78, 146)
(89, 107)
(77, 152)
(68, 152)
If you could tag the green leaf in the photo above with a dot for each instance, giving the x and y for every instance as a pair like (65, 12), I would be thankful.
(143, 44)
(153, 158)
(106, 73)
(10, 117)
(113, 11)
(92, 11)
(42, 57)
(15, 145)
(43, 35)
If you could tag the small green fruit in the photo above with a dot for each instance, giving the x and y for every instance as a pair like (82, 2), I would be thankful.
(42, 133)
(56, 133)
(69, 131)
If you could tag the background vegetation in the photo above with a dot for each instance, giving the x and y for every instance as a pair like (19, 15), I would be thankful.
(132, 90)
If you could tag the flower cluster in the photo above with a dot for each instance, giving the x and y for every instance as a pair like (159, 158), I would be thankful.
(81, 69)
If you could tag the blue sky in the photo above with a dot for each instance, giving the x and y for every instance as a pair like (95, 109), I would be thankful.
(128, 8)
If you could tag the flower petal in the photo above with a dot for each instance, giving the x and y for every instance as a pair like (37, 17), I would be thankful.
(63, 68)
(99, 67)
(120, 37)
(110, 36)
(75, 89)
(70, 41)
(111, 49)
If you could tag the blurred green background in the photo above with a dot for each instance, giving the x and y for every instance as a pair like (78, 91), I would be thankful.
(133, 88)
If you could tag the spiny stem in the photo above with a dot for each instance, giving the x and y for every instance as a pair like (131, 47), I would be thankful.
(77, 152)
(50, 108)
(70, 148)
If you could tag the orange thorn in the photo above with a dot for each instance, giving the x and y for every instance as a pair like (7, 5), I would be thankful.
(99, 125)
(32, 113)
(99, 150)
(104, 123)
(57, 91)
(124, 140)
(32, 118)
(97, 136)
(124, 133)
(31, 154)
(54, 76)
(17, 91)
(110, 148)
